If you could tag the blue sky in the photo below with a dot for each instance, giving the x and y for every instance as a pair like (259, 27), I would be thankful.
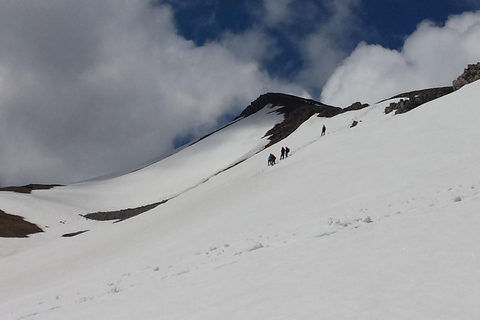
(392, 21)
(386, 22)
(93, 87)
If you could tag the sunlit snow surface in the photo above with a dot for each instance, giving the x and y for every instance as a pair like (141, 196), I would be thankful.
(379, 221)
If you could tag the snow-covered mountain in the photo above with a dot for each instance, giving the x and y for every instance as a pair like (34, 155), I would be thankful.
(376, 221)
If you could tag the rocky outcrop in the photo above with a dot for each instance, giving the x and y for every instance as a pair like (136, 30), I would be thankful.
(288, 103)
(12, 226)
(401, 106)
(469, 75)
(296, 110)
(356, 106)
(414, 99)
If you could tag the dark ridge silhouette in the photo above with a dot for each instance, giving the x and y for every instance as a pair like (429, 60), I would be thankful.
(12, 226)
(427, 93)
(289, 102)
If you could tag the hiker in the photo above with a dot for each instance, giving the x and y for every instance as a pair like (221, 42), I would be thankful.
(271, 159)
(286, 152)
(282, 153)
(324, 129)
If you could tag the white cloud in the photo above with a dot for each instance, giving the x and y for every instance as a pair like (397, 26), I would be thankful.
(432, 56)
(324, 41)
(90, 87)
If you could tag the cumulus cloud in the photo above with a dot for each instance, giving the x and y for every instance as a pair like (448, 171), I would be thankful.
(304, 40)
(432, 56)
(90, 87)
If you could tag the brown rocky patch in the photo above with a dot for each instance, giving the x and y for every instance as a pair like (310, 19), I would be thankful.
(29, 187)
(295, 110)
(12, 226)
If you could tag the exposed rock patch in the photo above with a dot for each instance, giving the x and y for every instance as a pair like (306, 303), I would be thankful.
(73, 234)
(29, 187)
(288, 101)
(469, 75)
(12, 226)
(356, 106)
(123, 214)
(416, 98)
(295, 110)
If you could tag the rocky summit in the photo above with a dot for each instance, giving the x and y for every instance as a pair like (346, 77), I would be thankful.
(469, 75)
(296, 110)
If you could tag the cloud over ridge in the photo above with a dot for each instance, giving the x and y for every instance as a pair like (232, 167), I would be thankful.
(432, 56)
(93, 87)
(89, 87)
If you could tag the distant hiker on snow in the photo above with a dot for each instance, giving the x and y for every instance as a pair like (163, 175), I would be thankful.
(282, 153)
(324, 129)
(271, 159)
(286, 152)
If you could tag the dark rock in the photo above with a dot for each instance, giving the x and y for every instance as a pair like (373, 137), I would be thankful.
(123, 214)
(415, 99)
(469, 75)
(28, 188)
(356, 106)
(73, 234)
(354, 124)
(390, 108)
(12, 226)
(296, 110)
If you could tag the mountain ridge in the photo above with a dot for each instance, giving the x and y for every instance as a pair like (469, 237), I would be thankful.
(296, 110)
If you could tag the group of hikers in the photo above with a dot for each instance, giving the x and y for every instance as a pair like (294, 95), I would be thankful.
(283, 154)
(285, 150)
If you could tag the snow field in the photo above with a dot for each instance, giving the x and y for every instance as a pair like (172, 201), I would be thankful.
(373, 222)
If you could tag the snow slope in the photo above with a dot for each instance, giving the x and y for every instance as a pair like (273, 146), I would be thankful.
(378, 221)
